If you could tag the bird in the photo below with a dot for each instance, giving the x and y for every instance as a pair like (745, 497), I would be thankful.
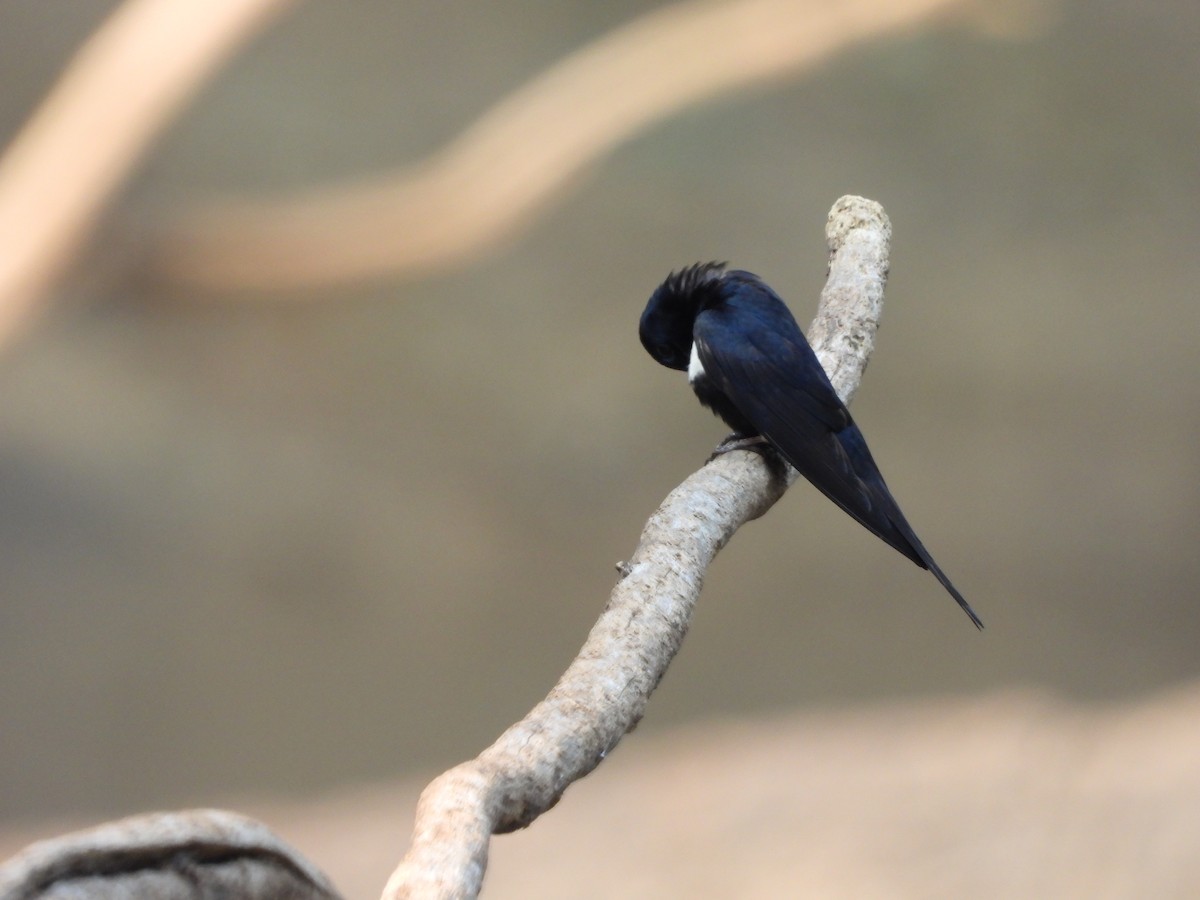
(748, 361)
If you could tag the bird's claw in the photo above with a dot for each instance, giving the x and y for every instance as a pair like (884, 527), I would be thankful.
(756, 444)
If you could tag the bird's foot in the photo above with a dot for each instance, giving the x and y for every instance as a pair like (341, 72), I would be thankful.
(756, 444)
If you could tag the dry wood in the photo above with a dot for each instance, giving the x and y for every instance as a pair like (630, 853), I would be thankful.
(604, 692)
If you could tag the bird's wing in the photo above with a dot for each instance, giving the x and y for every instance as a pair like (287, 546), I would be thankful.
(763, 364)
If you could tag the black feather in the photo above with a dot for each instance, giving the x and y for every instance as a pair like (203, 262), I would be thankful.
(758, 373)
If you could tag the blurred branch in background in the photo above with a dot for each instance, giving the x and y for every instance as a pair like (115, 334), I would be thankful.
(119, 91)
(507, 167)
(142, 65)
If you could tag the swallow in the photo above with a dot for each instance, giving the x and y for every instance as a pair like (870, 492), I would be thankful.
(748, 361)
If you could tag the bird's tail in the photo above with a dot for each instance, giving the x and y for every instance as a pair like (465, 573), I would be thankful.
(922, 558)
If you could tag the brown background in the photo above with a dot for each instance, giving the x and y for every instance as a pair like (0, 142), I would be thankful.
(286, 547)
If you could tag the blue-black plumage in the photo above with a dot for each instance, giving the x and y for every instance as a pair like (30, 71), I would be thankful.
(748, 361)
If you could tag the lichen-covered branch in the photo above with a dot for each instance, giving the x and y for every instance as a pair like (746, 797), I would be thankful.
(604, 692)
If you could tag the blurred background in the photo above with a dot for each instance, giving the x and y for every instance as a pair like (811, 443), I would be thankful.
(285, 541)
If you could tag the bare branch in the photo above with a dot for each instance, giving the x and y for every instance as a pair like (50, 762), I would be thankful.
(524, 152)
(201, 852)
(604, 692)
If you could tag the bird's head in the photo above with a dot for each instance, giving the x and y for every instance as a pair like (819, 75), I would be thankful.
(666, 326)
